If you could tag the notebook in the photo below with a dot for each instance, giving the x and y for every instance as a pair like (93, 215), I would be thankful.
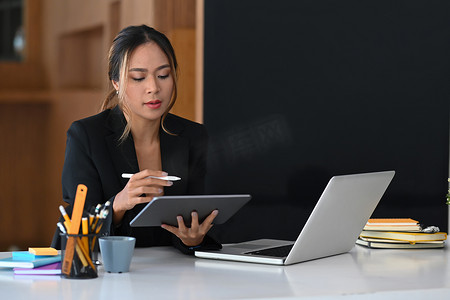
(50, 269)
(10, 262)
(333, 227)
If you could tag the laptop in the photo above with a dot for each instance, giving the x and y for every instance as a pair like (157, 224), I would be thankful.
(333, 227)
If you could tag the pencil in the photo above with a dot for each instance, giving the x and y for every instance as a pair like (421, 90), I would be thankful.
(80, 198)
(82, 252)
(84, 228)
(91, 220)
(64, 214)
(98, 228)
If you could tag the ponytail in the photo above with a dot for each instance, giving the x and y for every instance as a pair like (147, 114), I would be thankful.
(110, 101)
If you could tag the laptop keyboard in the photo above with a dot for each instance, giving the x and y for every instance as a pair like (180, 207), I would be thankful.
(281, 251)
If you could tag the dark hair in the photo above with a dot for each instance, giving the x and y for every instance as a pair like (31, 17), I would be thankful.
(121, 49)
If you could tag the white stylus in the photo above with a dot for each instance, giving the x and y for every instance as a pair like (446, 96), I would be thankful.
(170, 178)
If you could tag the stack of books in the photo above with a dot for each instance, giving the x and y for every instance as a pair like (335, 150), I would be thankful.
(403, 233)
(35, 261)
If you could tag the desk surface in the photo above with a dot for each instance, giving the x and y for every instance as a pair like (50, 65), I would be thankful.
(164, 273)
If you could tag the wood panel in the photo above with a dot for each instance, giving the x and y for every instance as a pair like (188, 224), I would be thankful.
(176, 18)
(183, 40)
(199, 58)
(23, 169)
(80, 59)
(64, 79)
(67, 107)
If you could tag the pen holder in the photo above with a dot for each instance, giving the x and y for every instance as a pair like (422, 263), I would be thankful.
(81, 252)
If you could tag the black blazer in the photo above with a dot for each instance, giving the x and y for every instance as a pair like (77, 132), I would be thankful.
(95, 157)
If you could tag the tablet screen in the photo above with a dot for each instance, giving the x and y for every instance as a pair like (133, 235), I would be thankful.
(165, 209)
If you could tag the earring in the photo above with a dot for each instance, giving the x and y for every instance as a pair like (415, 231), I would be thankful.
(117, 92)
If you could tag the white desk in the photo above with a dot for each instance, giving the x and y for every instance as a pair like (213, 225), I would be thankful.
(164, 273)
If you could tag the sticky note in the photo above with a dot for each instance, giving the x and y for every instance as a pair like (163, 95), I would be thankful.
(43, 251)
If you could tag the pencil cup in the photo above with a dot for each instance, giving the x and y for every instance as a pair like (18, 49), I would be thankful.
(116, 253)
(78, 253)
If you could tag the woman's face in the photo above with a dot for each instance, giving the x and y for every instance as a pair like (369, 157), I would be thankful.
(149, 83)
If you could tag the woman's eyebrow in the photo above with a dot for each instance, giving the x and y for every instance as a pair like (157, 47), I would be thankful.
(162, 67)
(138, 70)
(146, 70)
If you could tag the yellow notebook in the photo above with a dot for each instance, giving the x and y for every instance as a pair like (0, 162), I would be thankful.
(393, 224)
(43, 251)
(392, 221)
(412, 237)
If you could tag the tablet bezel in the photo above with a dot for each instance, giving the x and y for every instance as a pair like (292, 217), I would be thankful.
(165, 209)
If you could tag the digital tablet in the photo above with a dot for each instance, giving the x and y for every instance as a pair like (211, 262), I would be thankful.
(165, 209)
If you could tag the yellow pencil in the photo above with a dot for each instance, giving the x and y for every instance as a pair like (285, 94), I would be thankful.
(82, 252)
(75, 222)
(91, 219)
(81, 255)
(95, 237)
(64, 214)
(84, 228)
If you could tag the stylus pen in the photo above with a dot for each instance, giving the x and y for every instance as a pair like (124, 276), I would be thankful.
(170, 178)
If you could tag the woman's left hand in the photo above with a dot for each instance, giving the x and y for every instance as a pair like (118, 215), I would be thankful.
(192, 236)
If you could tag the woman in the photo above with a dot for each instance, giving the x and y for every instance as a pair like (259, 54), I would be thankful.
(135, 134)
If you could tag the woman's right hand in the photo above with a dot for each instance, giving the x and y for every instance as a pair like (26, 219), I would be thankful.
(139, 189)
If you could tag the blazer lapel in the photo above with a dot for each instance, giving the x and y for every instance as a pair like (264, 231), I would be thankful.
(175, 159)
(123, 154)
(174, 153)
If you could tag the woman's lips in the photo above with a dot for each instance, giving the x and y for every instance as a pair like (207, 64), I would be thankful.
(153, 104)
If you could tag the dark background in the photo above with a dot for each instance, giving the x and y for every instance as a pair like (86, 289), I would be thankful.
(299, 91)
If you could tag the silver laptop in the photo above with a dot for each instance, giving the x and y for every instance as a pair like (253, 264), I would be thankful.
(335, 223)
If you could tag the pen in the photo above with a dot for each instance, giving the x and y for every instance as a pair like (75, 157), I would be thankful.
(105, 208)
(97, 208)
(170, 178)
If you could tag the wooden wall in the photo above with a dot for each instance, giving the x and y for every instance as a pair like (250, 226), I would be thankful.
(64, 78)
